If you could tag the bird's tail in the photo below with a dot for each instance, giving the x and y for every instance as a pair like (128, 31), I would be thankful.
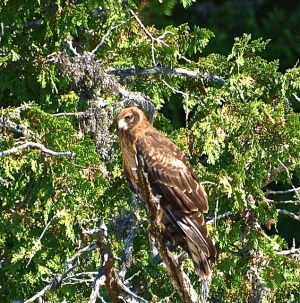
(200, 261)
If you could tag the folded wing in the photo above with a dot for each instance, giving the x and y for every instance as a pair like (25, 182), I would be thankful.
(183, 199)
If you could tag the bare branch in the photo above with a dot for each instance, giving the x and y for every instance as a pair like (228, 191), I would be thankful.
(116, 289)
(72, 48)
(88, 248)
(107, 34)
(296, 97)
(54, 284)
(290, 252)
(41, 147)
(289, 214)
(41, 236)
(153, 39)
(78, 114)
(284, 201)
(176, 90)
(275, 173)
(289, 175)
(99, 281)
(216, 218)
(59, 279)
(128, 72)
(14, 127)
(282, 192)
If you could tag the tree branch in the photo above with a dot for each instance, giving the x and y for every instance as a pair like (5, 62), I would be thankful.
(107, 34)
(282, 192)
(116, 289)
(41, 147)
(216, 218)
(290, 252)
(288, 213)
(276, 172)
(283, 202)
(54, 284)
(128, 72)
(41, 236)
(78, 114)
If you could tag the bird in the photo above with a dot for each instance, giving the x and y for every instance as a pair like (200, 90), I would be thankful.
(182, 198)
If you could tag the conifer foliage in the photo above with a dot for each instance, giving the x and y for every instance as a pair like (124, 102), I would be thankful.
(70, 230)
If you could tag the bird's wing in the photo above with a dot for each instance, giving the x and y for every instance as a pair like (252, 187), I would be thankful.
(183, 199)
(168, 170)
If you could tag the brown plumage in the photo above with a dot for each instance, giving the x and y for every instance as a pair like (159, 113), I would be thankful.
(183, 199)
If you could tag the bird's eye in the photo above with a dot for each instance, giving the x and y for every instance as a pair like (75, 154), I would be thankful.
(128, 118)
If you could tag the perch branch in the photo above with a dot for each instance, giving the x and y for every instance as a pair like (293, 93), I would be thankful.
(290, 252)
(72, 48)
(179, 279)
(293, 251)
(41, 147)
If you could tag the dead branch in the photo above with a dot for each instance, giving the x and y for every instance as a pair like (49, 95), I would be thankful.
(116, 289)
(178, 277)
(284, 201)
(222, 216)
(41, 147)
(282, 192)
(99, 281)
(14, 127)
(87, 248)
(129, 72)
(41, 236)
(127, 258)
(275, 173)
(107, 34)
(54, 284)
(290, 252)
(288, 213)
(78, 114)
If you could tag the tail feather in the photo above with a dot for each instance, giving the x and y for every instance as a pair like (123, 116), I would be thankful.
(200, 261)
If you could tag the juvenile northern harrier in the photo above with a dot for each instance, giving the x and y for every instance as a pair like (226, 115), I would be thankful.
(182, 198)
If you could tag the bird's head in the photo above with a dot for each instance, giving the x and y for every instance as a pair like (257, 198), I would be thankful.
(131, 117)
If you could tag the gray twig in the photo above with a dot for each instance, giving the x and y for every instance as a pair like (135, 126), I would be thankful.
(284, 201)
(222, 216)
(72, 48)
(78, 114)
(282, 192)
(107, 34)
(288, 213)
(88, 248)
(41, 147)
(41, 236)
